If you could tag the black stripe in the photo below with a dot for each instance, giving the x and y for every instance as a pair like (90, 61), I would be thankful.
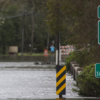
(61, 75)
(61, 84)
(58, 68)
(63, 92)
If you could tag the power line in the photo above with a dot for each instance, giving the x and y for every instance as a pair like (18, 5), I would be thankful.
(13, 10)
(19, 15)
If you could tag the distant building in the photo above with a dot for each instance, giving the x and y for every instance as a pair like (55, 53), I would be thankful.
(13, 50)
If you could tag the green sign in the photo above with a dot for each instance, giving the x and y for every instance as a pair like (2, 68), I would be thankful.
(99, 32)
(98, 12)
(97, 70)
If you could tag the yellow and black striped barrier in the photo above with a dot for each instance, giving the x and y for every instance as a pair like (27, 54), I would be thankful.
(60, 80)
(60, 98)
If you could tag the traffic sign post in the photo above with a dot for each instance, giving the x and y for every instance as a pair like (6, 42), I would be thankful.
(97, 70)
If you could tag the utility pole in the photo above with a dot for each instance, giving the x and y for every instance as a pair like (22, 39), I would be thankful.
(48, 41)
(47, 37)
(23, 27)
(23, 35)
(61, 87)
(32, 33)
(58, 42)
(57, 35)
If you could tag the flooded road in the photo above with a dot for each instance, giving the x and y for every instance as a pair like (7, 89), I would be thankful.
(26, 80)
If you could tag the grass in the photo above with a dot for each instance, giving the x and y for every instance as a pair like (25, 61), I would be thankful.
(33, 54)
(29, 54)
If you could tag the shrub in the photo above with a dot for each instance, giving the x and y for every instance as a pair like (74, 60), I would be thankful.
(69, 59)
(88, 84)
(83, 58)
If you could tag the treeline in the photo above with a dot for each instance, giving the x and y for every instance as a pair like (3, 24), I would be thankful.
(35, 28)
(78, 24)
(75, 21)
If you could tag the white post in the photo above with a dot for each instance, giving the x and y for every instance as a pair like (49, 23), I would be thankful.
(59, 55)
(56, 57)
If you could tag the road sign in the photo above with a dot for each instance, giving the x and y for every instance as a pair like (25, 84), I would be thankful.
(99, 32)
(98, 12)
(97, 70)
(60, 80)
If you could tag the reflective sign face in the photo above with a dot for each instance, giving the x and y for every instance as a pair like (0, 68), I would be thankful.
(60, 80)
(98, 12)
(97, 70)
(99, 32)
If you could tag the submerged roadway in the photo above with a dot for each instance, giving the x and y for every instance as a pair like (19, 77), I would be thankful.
(25, 80)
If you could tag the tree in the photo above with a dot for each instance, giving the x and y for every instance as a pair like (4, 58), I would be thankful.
(16, 8)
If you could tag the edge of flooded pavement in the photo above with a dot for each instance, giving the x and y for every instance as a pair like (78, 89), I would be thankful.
(26, 65)
(36, 65)
(68, 98)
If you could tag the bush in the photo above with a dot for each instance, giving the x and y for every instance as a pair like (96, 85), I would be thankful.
(69, 59)
(88, 84)
(83, 58)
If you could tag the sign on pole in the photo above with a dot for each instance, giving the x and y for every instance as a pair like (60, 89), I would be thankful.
(99, 32)
(60, 80)
(97, 66)
(98, 12)
(97, 70)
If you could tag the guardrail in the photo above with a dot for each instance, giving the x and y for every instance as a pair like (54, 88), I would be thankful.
(75, 69)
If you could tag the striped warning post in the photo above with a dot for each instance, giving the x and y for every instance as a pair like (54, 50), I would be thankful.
(60, 98)
(60, 80)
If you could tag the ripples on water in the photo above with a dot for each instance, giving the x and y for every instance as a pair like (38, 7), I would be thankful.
(27, 80)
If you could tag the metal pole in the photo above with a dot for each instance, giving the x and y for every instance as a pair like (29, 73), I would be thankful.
(60, 96)
(23, 37)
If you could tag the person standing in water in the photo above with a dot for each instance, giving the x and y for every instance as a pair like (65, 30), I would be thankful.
(52, 49)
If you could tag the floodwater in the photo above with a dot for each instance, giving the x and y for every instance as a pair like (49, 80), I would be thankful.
(27, 81)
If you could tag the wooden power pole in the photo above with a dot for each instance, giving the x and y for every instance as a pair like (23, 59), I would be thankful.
(32, 33)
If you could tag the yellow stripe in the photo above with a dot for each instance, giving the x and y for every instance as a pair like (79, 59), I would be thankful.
(60, 99)
(60, 71)
(57, 92)
(64, 77)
